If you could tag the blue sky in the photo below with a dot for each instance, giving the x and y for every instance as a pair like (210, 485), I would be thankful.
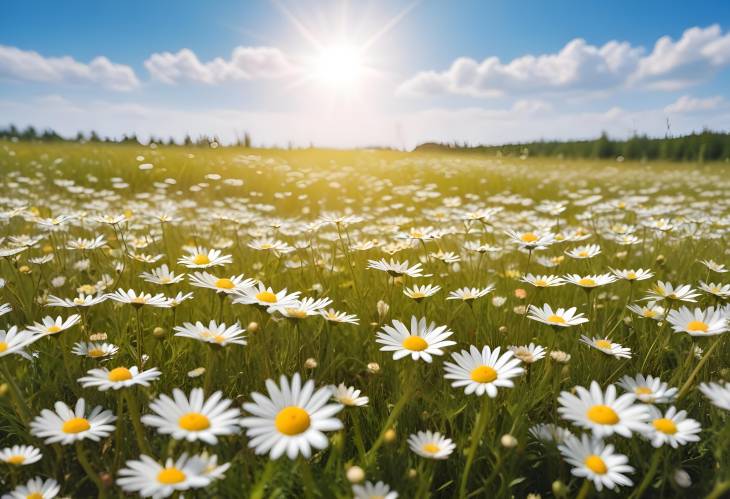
(432, 70)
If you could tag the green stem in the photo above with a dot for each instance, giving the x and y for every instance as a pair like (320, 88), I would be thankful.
(309, 485)
(476, 436)
(685, 388)
(257, 492)
(719, 490)
(655, 459)
(136, 423)
(21, 405)
(93, 475)
(585, 490)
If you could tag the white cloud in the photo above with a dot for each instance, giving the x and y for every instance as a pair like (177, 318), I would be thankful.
(246, 63)
(582, 67)
(686, 104)
(26, 65)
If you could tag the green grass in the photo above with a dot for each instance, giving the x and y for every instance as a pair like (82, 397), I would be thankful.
(284, 191)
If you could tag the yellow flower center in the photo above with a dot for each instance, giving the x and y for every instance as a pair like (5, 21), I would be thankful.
(140, 300)
(540, 283)
(266, 246)
(53, 329)
(292, 420)
(483, 374)
(587, 282)
(556, 319)
(665, 425)
(34, 495)
(219, 339)
(417, 295)
(415, 343)
(194, 421)
(201, 259)
(605, 344)
(296, 313)
(266, 296)
(631, 276)
(649, 313)
(3, 346)
(17, 459)
(120, 374)
(431, 448)
(696, 326)
(75, 425)
(224, 283)
(596, 464)
(643, 390)
(169, 476)
(528, 237)
(583, 253)
(96, 352)
(602, 414)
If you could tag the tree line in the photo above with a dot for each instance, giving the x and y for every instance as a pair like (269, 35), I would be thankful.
(696, 147)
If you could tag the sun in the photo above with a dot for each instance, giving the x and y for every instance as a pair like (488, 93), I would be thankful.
(339, 66)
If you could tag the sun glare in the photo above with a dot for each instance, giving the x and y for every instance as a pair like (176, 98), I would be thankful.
(339, 66)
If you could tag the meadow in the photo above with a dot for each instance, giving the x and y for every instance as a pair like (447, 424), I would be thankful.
(251, 322)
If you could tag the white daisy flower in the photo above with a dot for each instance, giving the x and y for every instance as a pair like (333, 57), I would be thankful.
(709, 322)
(265, 297)
(603, 414)
(543, 281)
(666, 291)
(418, 293)
(549, 433)
(50, 326)
(721, 291)
(593, 460)
(348, 395)
(590, 281)
(714, 266)
(193, 418)
(335, 317)
(422, 341)
(584, 252)
(20, 455)
(5, 308)
(119, 377)
(529, 353)
(86, 244)
(558, 318)
(162, 276)
(650, 311)
(270, 245)
(470, 294)
(648, 389)
(531, 240)
(633, 275)
(608, 347)
(176, 300)
(35, 488)
(301, 308)
(200, 258)
(232, 284)
(484, 371)
(718, 393)
(138, 300)
(67, 425)
(396, 269)
(13, 341)
(94, 350)
(291, 420)
(673, 428)
(431, 445)
(149, 478)
(82, 300)
(368, 490)
(214, 333)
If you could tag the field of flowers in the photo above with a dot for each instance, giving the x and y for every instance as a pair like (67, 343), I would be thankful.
(242, 323)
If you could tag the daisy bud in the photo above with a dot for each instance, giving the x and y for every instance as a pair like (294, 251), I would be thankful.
(560, 356)
(196, 372)
(98, 337)
(389, 436)
(660, 260)
(355, 474)
(373, 368)
(252, 327)
(559, 489)
(508, 441)
(383, 309)
(682, 478)
(4, 389)
(502, 329)
(520, 309)
(310, 363)
(159, 332)
(24, 269)
(534, 495)
(412, 473)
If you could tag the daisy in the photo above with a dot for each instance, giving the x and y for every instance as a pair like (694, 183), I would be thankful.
(593, 460)
(162, 276)
(270, 245)
(648, 389)
(650, 311)
(335, 317)
(603, 414)
(83, 300)
(607, 346)
(144, 257)
(20, 455)
(200, 258)
(67, 425)
(94, 350)
(396, 269)
(264, 297)
(549, 433)
(138, 300)
(348, 395)
(633, 275)
(531, 240)
(214, 333)
(470, 294)
(673, 428)
(718, 393)
(590, 281)
(291, 420)
(420, 342)
(152, 479)
(584, 252)
(714, 266)
(431, 445)
(482, 371)
(193, 418)
(529, 353)
(226, 285)
(300, 309)
(13, 341)
(51, 326)
(418, 293)
(35, 488)
(709, 322)
(665, 291)
(119, 377)
(721, 291)
(543, 281)
(86, 244)
(558, 318)
(5, 308)
(446, 257)
(176, 300)
(369, 490)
